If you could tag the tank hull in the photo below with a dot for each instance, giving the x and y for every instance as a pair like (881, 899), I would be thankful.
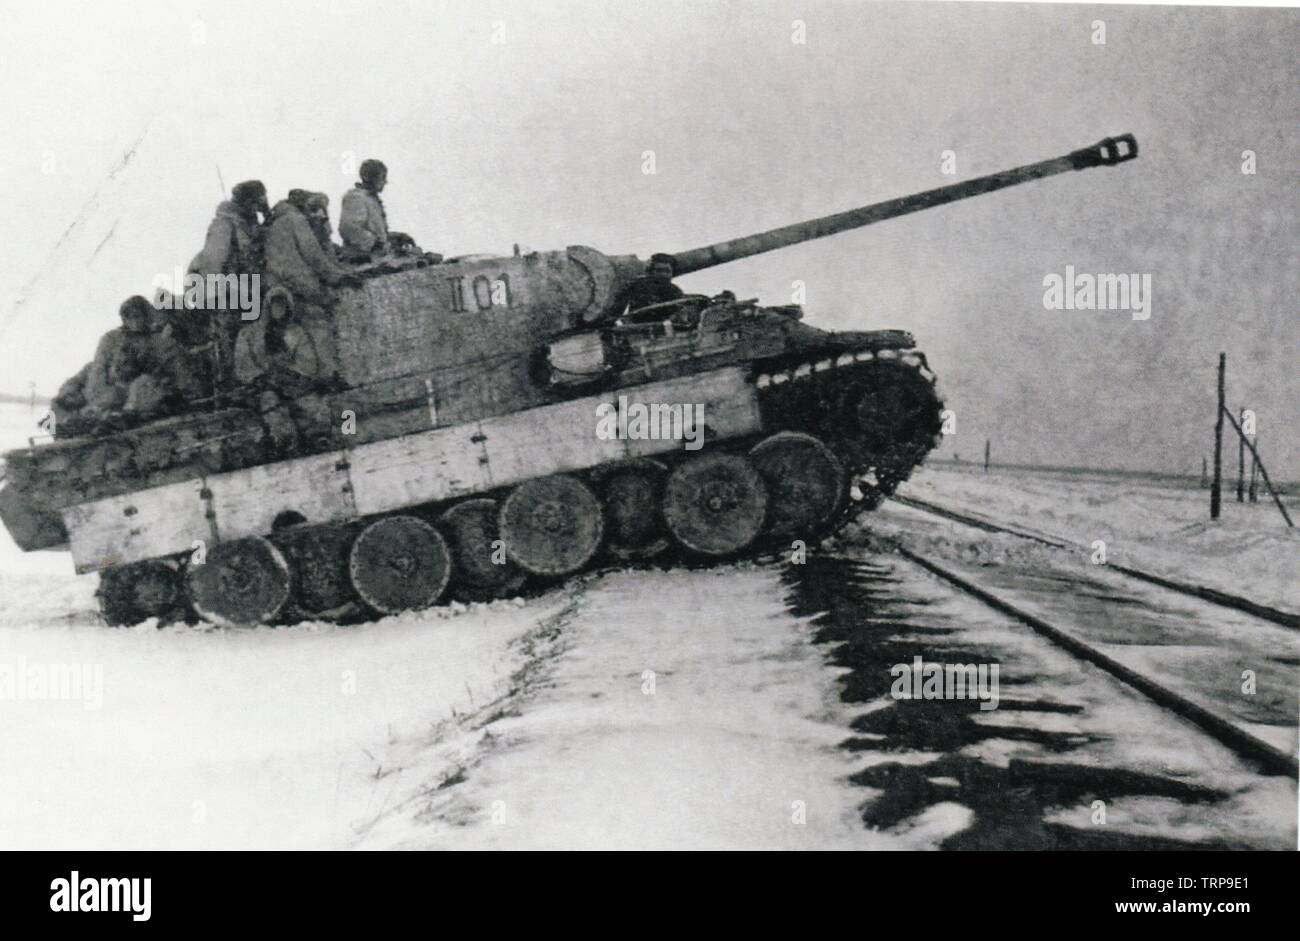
(314, 507)
(422, 469)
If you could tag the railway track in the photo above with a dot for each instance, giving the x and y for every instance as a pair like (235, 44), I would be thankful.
(1212, 595)
(1065, 734)
(1259, 752)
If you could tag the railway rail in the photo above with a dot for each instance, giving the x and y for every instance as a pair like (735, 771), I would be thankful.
(1261, 753)
(1212, 595)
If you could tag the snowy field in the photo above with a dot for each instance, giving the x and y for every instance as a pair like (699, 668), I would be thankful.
(1145, 523)
(650, 710)
(212, 739)
(683, 709)
(654, 709)
(644, 709)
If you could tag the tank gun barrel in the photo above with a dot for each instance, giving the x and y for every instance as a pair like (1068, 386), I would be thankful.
(1106, 153)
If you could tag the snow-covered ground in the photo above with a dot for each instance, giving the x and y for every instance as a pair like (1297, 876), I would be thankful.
(628, 709)
(1145, 523)
(204, 738)
(192, 737)
(647, 709)
(683, 709)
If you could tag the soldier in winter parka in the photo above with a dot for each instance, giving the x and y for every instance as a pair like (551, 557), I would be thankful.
(232, 243)
(363, 224)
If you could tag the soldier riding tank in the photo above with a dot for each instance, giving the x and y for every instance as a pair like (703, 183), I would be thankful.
(465, 457)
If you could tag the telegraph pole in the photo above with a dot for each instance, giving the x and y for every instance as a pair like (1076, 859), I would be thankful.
(1216, 483)
(1263, 471)
(1241, 468)
(986, 455)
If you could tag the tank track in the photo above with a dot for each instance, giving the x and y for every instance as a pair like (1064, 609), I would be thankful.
(316, 569)
(877, 456)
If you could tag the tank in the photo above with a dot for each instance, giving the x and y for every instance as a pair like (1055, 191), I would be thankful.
(502, 421)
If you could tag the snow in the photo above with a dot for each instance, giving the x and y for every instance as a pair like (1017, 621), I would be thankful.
(625, 709)
(211, 739)
(214, 739)
(425, 730)
(1148, 523)
(318, 736)
(681, 710)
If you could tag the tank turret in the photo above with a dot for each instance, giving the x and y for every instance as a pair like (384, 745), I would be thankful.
(464, 312)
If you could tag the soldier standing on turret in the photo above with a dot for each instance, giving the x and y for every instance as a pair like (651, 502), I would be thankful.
(296, 259)
(233, 243)
(233, 246)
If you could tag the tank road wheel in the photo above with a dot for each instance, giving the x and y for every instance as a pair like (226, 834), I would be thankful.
(806, 483)
(634, 523)
(480, 567)
(399, 563)
(130, 594)
(715, 504)
(552, 525)
(243, 582)
(318, 556)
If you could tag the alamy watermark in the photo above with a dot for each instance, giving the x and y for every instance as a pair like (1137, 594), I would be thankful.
(77, 894)
(640, 421)
(920, 680)
(222, 292)
(23, 681)
(1131, 292)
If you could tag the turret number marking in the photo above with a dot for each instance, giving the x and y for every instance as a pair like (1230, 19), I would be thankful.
(485, 292)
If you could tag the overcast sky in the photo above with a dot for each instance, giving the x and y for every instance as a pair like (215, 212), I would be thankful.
(527, 123)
